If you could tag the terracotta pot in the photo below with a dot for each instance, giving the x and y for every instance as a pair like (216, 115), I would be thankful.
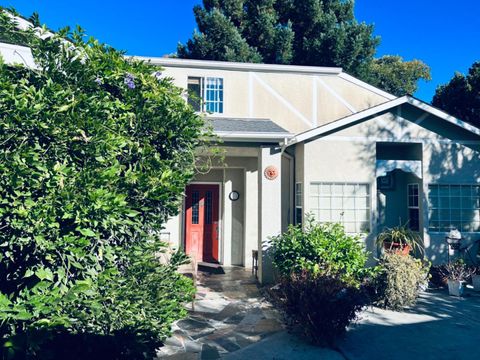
(397, 248)
(455, 287)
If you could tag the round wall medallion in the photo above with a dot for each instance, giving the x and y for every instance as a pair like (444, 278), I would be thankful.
(234, 195)
(271, 172)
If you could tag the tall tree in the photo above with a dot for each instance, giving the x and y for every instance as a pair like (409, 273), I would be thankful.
(461, 95)
(301, 32)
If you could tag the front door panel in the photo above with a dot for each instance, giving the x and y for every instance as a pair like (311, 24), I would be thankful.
(201, 222)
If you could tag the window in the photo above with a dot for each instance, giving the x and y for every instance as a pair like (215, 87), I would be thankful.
(346, 203)
(195, 207)
(208, 207)
(298, 203)
(454, 206)
(206, 94)
(195, 92)
(413, 207)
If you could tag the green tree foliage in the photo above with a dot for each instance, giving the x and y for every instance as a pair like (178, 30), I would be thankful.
(396, 76)
(300, 32)
(95, 150)
(461, 95)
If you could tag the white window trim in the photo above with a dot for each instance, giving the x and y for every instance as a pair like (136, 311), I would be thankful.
(203, 87)
(295, 202)
(417, 185)
(429, 207)
(203, 94)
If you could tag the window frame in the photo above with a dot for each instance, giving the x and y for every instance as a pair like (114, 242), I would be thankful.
(368, 209)
(217, 89)
(298, 196)
(430, 207)
(417, 207)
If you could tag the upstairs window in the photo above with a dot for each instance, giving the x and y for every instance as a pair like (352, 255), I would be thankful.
(206, 94)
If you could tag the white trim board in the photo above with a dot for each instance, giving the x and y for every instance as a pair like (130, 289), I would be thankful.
(226, 65)
(362, 115)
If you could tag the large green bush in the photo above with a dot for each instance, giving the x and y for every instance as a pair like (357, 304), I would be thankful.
(321, 305)
(322, 269)
(320, 249)
(399, 280)
(95, 153)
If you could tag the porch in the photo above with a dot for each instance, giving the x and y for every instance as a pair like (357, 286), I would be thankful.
(241, 200)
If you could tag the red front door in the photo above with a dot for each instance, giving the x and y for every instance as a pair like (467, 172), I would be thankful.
(201, 222)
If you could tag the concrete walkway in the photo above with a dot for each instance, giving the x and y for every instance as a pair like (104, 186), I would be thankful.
(439, 327)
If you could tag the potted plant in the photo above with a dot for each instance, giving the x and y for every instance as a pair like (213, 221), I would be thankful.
(456, 274)
(400, 240)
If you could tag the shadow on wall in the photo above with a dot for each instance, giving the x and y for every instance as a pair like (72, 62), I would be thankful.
(444, 163)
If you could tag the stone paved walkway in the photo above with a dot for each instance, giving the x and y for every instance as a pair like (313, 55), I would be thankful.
(230, 314)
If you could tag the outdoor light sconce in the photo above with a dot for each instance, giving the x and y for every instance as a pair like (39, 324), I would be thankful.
(454, 239)
(234, 195)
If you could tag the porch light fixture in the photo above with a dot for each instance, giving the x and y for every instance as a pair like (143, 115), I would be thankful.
(454, 239)
(234, 195)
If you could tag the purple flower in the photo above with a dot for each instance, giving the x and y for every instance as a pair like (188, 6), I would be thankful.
(157, 75)
(98, 80)
(129, 81)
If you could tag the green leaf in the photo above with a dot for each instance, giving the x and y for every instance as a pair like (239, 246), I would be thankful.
(87, 232)
(44, 274)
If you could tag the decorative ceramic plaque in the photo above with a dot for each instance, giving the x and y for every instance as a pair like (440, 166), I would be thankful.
(271, 172)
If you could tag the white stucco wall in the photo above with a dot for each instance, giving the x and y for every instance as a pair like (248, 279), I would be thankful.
(294, 100)
(349, 155)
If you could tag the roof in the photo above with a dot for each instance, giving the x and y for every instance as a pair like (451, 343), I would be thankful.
(248, 129)
(227, 65)
(361, 116)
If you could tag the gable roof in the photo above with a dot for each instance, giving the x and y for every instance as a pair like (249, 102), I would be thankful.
(364, 115)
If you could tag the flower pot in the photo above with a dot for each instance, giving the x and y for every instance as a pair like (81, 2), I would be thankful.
(476, 282)
(455, 287)
(397, 248)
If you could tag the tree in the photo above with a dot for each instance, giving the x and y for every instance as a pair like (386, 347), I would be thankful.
(394, 75)
(461, 95)
(300, 32)
(96, 152)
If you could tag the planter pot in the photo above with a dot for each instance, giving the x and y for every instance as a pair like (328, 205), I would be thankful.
(476, 282)
(455, 288)
(397, 248)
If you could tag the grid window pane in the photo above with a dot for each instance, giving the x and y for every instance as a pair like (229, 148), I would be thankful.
(346, 203)
(454, 206)
(213, 95)
(413, 207)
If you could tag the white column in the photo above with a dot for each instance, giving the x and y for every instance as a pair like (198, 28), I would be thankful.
(269, 214)
(227, 224)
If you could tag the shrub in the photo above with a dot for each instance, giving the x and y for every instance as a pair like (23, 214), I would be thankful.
(399, 280)
(320, 248)
(437, 276)
(322, 305)
(96, 150)
(457, 271)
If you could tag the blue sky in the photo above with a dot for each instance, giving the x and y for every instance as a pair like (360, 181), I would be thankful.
(444, 34)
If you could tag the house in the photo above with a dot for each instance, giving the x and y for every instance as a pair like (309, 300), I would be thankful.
(301, 140)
